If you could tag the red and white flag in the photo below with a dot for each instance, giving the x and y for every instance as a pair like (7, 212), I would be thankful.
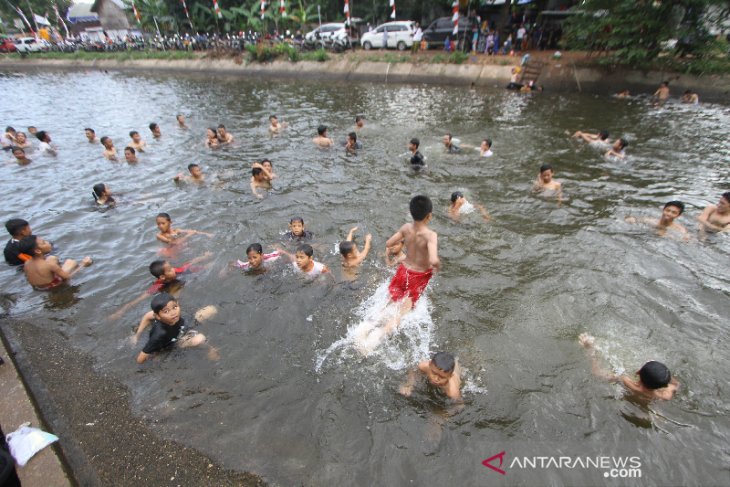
(217, 9)
(263, 8)
(136, 13)
(455, 17)
(282, 8)
(187, 14)
(392, 6)
(347, 12)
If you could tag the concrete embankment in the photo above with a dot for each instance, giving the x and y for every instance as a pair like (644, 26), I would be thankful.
(557, 75)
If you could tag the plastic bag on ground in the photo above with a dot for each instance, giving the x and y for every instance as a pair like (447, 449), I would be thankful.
(26, 442)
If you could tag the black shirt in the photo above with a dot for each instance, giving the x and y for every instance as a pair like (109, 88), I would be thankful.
(453, 149)
(417, 159)
(304, 237)
(12, 250)
(162, 335)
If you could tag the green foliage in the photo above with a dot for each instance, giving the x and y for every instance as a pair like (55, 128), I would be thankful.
(458, 57)
(320, 55)
(438, 59)
(264, 53)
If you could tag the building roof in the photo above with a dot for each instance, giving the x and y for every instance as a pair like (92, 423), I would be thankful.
(118, 3)
(81, 12)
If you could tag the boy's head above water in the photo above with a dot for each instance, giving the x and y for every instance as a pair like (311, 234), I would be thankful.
(546, 173)
(347, 247)
(456, 195)
(18, 228)
(165, 308)
(163, 271)
(296, 225)
(34, 245)
(672, 210)
(441, 368)
(304, 256)
(654, 375)
(163, 222)
(254, 252)
(420, 207)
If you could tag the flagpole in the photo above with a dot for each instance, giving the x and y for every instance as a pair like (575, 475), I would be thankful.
(32, 15)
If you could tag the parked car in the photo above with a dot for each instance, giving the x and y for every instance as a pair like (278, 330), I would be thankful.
(400, 36)
(7, 45)
(436, 33)
(31, 44)
(320, 36)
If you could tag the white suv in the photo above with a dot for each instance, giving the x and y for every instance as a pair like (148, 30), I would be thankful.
(31, 44)
(325, 33)
(400, 36)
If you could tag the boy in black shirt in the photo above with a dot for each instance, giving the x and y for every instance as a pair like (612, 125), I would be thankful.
(168, 328)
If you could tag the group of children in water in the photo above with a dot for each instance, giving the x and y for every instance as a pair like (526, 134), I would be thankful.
(413, 248)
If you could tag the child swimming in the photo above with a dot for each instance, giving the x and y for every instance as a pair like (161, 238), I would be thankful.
(103, 195)
(460, 206)
(45, 273)
(171, 235)
(304, 264)
(352, 257)
(666, 223)
(442, 372)
(296, 232)
(257, 260)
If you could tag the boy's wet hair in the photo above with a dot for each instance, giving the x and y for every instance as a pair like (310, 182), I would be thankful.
(346, 247)
(448, 134)
(166, 216)
(266, 160)
(545, 167)
(321, 129)
(603, 134)
(15, 225)
(297, 219)
(221, 126)
(655, 375)
(726, 195)
(415, 142)
(623, 143)
(133, 133)
(9, 129)
(28, 245)
(688, 92)
(192, 165)
(677, 204)
(103, 139)
(130, 149)
(160, 301)
(15, 149)
(98, 190)
(420, 207)
(489, 142)
(255, 171)
(212, 129)
(178, 115)
(444, 361)
(306, 249)
(353, 136)
(665, 83)
(90, 130)
(256, 247)
(456, 195)
(42, 135)
(359, 118)
(272, 117)
(153, 126)
(157, 268)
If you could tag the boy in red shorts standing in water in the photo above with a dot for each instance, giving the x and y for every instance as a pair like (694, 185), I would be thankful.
(414, 273)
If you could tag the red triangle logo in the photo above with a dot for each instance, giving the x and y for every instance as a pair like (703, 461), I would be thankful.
(487, 463)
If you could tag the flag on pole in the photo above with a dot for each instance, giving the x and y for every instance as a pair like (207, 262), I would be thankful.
(217, 9)
(347, 12)
(392, 6)
(60, 19)
(263, 8)
(136, 13)
(187, 14)
(455, 17)
(25, 19)
(282, 8)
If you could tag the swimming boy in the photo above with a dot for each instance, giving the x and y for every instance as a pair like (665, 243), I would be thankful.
(110, 152)
(18, 230)
(662, 93)
(485, 148)
(130, 155)
(654, 378)
(103, 195)
(155, 129)
(690, 97)
(45, 147)
(546, 183)
(274, 125)
(451, 147)
(196, 174)
(45, 273)
(304, 263)
(20, 157)
(171, 235)
(600, 138)
(322, 140)
(618, 149)
(21, 140)
(716, 218)
(442, 372)
(460, 206)
(297, 232)
(137, 143)
(8, 138)
(181, 121)
(260, 179)
(359, 122)
(671, 212)
(351, 144)
(168, 328)
(417, 160)
(352, 257)
(223, 136)
(394, 254)
(257, 260)
(166, 280)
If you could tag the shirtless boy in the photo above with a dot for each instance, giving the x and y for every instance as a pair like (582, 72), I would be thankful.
(168, 328)
(690, 98)
(181, 121)
(130, 155)
(155, 129)
(91, 135)
(359, 122)
(460, 206)
(394, 254)
(171, 235)
(223, 136)
(110, 152)
(137, 143)
(352, 257)
(654, 378)
(671, 212)
(442, 372)
(545, 181)
(196, 175)
(662, 93)
(618, 149)
(600, 137)
(45, 273)
(20, 156)
(274, 125)
(322, 139)
(716, 218)
(260, 179)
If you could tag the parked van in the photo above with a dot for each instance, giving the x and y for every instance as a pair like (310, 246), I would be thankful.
(436, 33)
(400, 36)
(320, 36)
(31, 44)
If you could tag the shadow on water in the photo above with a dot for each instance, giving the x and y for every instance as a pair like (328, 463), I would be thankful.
(290, 398)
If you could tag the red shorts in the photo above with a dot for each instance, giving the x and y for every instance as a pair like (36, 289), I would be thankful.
(408, 283)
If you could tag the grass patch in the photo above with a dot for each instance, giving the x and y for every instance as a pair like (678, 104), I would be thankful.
(320, 56)
(458, 57)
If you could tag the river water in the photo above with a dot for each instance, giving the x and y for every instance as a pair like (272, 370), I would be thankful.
(290, 399)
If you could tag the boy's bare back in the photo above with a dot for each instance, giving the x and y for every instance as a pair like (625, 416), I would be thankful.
(421, 246)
